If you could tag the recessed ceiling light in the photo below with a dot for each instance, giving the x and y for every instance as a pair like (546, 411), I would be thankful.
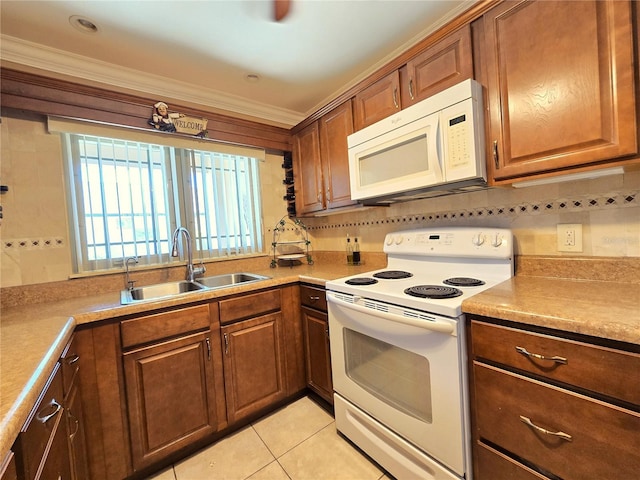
(83, 24)
(252, 78)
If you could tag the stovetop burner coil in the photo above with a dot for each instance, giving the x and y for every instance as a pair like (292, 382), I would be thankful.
(463, 282)
(361, 281)
(433, 291)
(392, 274)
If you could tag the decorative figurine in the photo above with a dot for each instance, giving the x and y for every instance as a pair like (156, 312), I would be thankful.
(162, 119)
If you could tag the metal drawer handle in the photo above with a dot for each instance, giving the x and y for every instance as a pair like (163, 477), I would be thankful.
(72, 359)
(57, 407)
(77, 422)
(562, 435)
(556, 359)
(313, 299)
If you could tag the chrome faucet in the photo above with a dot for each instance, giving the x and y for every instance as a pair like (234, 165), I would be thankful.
(126, 271)
(191, 271)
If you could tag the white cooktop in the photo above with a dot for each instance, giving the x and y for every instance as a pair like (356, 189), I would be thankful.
(433, 255)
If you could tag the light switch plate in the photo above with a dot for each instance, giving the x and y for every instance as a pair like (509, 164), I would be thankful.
(569, 237)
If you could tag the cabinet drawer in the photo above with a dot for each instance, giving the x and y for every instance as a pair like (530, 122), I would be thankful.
(249, 306)
(70, 361)
(164, 325)
(491, 465)
(313, 297)
(603, 438)
(41, 426)
(599, 369)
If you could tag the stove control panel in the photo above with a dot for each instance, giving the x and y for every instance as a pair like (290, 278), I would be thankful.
(451, 241)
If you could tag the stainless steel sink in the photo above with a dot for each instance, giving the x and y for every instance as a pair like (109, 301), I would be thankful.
(160, 290)
(171, 289)
(229, 280)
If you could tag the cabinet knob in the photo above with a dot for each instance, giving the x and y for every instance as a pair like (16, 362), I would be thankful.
(495, 154)
(411, 89)
(395, 98)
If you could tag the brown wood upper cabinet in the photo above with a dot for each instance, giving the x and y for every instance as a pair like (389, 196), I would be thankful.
(560, 86)
(377, 101)
(322, 162)
(440, 66)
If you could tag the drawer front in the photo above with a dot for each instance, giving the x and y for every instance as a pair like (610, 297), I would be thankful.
(313, 297)
(151, 328)
(70, 361)
(44, 421)
(249, 306)
(603, 438)
(492, 465)
(599, 369)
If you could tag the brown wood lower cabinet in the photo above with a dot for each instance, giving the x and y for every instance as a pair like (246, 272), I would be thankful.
(253, 365)
(532, 415)
(8, 468)
(174, 394)
(315, 326)
(41, 449)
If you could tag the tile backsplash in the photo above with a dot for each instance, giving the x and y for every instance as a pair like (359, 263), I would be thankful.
(36, 248)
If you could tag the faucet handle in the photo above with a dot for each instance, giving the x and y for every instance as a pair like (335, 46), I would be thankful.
(199, 270)
(130, 284)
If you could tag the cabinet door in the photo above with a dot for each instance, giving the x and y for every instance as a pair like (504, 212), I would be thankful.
(8, 469)
(77, 439)
(560, 85)
(315, 325)
(334, 129)
(171, 397)
(377, 101)
(440, 66)
(55, 465)
(308, 171)
(253, 365)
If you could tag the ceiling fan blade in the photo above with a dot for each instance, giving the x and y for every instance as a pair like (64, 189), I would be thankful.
(281, 9)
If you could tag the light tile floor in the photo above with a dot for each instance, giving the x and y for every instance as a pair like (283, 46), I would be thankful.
(297, 442)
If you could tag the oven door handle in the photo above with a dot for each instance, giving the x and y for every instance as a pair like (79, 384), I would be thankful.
(435, 325)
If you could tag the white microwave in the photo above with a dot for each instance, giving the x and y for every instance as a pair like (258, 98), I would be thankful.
(432, 148)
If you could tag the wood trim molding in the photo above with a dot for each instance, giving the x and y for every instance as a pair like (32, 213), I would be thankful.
(50, 96)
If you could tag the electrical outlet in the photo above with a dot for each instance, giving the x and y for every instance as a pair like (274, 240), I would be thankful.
(569, 237)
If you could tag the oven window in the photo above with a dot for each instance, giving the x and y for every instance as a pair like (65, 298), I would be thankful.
(396, 376)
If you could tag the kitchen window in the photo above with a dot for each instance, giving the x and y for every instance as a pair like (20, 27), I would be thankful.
(126, 198)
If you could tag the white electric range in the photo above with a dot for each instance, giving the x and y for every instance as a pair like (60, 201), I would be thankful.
(398, 348)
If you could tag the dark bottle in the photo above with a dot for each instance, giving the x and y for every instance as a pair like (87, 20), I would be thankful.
(356, 252)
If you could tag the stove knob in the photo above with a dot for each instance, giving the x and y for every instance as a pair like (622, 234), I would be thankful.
(496, 240)
(478, 239)
(389, 240)
(399, 239)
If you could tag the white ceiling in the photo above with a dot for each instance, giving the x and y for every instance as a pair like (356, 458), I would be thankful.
(199, 52)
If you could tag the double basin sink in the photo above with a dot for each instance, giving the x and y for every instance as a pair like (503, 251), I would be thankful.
(172, 289)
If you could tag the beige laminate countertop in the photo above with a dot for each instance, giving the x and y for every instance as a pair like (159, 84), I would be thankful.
(33, 336)
(596, 308)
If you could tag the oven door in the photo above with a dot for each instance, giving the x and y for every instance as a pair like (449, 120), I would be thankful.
(404, 369)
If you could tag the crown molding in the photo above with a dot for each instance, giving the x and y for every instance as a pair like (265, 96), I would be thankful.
(28, 54)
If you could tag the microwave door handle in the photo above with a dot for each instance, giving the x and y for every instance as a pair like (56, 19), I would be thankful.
(436, 325)
(436, 151)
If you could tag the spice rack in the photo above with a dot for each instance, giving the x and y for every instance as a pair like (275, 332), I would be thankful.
(290, 243)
